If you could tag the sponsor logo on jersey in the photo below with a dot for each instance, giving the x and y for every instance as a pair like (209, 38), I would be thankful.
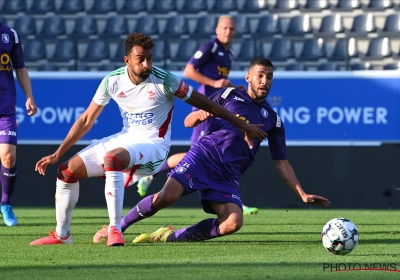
(5, 62)
(238, 98)
(220, 53)
(3, 132)
(139, 118)
(223, 71)
(226, 92)
(183, 89)
(12, 133)
(278, 121)
(264, 113)
(198, 54)
(182, 169)
(121, 95)
(5, 38)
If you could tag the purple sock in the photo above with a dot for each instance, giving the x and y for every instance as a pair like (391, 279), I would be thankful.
(8, 178)
(204, 230)
(164, 167)
(142, 210)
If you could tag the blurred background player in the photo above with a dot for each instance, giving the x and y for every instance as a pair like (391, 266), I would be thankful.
(215, 164)
(11, 57)
(210, 67)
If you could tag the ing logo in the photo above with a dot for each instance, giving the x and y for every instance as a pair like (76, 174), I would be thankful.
(5, 62)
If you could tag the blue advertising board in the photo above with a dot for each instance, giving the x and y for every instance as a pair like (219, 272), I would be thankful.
(317, 108)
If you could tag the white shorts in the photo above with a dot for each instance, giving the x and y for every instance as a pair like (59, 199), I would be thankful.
(149, 154)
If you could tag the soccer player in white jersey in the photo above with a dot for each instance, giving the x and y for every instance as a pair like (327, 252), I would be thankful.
(145, 96)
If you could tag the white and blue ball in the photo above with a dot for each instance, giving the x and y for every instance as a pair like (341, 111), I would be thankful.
(339, 236)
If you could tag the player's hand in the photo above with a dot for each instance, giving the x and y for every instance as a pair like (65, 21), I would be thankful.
(316, 200)
(221, 83)
(203, 115)
(31, 107)
(41, 165)
(252, 131)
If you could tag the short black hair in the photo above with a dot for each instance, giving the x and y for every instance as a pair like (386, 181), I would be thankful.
(261, 61)
(137, 39)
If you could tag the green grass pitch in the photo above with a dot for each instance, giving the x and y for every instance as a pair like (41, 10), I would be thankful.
(274, 244)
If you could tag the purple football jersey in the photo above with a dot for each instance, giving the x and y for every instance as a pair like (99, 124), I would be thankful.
(225, 142)
(214, 62)
(11, 56)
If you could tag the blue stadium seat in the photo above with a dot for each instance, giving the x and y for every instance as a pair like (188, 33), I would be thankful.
(65, 50)
(47, 67)
(132, 7)
(3, 20)
(97, 50)
(71, 7)
(268, 25)
(25, 25)
(331, 25)
(52, 27)
(379, 5)
(378, 49)
(108, 67)
(299, 26)
(360, 66)
(115, 27)
(205, 26)
(345, 49)
(297, 66)
(147, 25)
(160, 50)
(13, 7)
(281, 50)
(119, 54)
(175, 27)
(392, 66)
(222, 7)
(247, 51)
(315, 6)
(242, 25)
(103, 7)
(85, 26)
(391, 27)
(362, 25)
(79, 67)
(284, 6)
(254, 6)
(193, 6)
(347, 5)
(328, 67)
(312, 50)
(34, 50)
(186, 49)
(162, 7)
(42, 7)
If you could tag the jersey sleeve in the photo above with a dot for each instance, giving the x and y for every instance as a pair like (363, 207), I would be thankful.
(102, 96)
(16, 55)
(176, 86)
(202, 55)
(277, 141)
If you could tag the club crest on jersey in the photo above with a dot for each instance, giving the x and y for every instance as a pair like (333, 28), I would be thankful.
(5, 38)
(264, 113)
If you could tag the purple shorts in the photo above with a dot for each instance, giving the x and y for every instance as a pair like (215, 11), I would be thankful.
(8, 129)
(198, 171)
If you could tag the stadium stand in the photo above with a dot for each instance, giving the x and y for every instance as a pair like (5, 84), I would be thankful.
(355, 33)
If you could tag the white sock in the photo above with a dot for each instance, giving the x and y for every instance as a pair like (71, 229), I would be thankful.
(67, 195)
(114, 192)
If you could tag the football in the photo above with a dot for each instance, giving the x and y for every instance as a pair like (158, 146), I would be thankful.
(339, 236)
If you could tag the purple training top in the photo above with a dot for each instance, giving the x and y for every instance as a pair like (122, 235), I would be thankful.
(11, 56)
(214, 62)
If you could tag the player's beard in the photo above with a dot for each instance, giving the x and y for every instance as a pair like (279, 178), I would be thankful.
(259, 97)
(142, 75)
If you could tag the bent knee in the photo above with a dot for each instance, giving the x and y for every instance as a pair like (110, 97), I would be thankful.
(65, 175)
(231, 226)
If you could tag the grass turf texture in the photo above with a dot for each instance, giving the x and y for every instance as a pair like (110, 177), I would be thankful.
(274, 244)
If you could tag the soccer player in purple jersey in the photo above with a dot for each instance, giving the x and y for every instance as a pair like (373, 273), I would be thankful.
(215, 164)
(210, 67)
(11, 56)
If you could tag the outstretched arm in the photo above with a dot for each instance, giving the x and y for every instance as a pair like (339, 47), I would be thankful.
(287, 174)
(251, 130)
(195, 118)
(81, 126)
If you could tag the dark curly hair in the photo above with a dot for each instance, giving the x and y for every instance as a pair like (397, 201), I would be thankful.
(137, 39)
(261, 61)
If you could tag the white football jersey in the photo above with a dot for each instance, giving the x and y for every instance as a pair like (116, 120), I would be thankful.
(146, 109)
